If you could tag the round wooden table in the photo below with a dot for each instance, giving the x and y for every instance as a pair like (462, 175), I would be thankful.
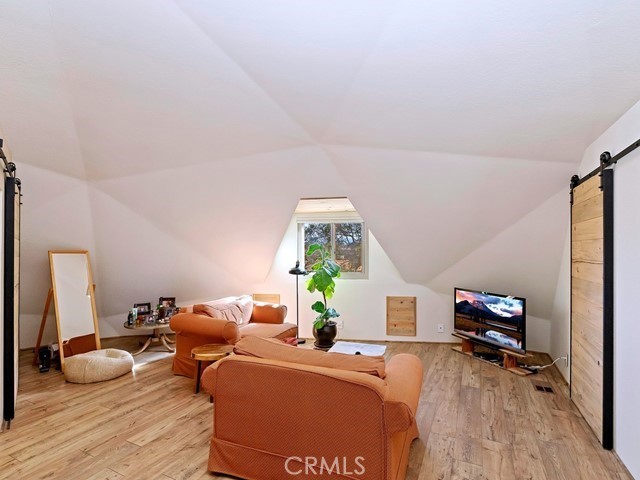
(155, 336)
(208, 353)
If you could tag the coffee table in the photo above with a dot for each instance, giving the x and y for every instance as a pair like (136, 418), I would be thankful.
(156, 336)
(208, 353)
(353, 348)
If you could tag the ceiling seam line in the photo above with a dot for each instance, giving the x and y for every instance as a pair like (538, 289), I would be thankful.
(247, 74)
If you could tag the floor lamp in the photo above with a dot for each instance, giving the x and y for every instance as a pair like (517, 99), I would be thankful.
(297, 271)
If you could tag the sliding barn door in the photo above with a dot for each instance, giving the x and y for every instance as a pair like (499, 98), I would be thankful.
(11, 294)
(592, 303)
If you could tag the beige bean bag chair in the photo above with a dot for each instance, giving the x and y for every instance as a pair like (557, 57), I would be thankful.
(97, 366)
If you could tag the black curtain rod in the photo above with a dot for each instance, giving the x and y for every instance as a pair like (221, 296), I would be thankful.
(606, 160)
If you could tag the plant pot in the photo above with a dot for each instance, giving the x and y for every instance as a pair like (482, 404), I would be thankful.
(325, 336)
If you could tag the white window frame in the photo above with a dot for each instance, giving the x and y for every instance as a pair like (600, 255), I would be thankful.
(336, 217)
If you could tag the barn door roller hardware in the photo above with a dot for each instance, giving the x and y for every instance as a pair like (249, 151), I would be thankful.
(606, 161)
(575, 181)
(9, 167)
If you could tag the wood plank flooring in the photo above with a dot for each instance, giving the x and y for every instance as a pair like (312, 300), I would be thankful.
(476, 422)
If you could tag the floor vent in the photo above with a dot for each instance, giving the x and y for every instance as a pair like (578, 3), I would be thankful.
(543, 388)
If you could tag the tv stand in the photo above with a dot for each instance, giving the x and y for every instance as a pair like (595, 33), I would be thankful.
(509, 358)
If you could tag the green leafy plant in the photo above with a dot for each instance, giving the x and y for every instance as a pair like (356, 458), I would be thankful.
(324, 272)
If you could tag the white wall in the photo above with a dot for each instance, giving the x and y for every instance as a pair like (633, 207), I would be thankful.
(362, 303)
(517, 260)
(560, 316)
(626, 266)
(627, 286)
(205, 231)
(56, 215)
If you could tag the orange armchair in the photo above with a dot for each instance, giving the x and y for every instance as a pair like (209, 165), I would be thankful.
(275, 419)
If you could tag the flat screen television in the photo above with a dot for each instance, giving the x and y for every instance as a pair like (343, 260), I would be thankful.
(490, 318)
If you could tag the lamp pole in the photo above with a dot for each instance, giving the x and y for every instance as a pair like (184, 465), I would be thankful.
(297, 271)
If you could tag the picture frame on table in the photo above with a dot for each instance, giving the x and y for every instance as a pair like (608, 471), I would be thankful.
(165, 314)
(167, 302)
(143, 308)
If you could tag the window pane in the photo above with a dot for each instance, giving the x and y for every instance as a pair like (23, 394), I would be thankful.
(349, 246)
(315, 233)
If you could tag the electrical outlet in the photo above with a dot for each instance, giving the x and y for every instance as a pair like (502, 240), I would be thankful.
(566, 359)
(339, 323)
(441, 328)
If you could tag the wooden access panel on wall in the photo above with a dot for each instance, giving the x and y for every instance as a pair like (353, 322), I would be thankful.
(592, 302)
(266, 297)
(401, 316)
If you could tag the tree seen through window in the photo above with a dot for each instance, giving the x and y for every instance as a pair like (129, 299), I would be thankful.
(344, 241)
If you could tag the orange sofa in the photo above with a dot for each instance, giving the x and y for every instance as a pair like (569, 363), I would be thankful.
(276, 419)
(193, 329)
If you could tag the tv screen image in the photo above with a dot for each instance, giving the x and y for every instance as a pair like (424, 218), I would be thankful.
(496, 319)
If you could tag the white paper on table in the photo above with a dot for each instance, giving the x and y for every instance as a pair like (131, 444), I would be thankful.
(350, 348)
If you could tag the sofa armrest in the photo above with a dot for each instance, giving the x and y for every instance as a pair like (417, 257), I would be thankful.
(268, 313)
(404, 383)
(211, 330)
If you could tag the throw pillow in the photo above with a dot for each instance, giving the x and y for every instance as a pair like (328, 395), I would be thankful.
(245, 302)
(225, 311)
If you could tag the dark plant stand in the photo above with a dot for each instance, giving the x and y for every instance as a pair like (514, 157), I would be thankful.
(325, 336)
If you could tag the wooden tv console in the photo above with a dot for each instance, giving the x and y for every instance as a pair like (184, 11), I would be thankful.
(510, 358)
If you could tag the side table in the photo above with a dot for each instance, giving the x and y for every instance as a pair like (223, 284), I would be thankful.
(208, 353)
(155, 336)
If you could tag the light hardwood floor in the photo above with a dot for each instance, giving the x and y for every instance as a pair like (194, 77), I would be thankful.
(476, 421)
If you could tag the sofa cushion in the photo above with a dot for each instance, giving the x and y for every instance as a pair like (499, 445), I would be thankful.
(268, 313)
(245, 302)
(189, 308)
(276, 350)
(269, 330)
(236, 309)
(226, 311)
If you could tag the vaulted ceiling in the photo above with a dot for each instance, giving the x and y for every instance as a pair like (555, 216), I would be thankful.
(196, 125)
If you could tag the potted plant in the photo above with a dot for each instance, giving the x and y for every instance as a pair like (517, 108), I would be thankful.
(324, 272)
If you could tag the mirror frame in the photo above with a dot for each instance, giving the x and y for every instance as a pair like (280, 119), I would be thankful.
(92, 292)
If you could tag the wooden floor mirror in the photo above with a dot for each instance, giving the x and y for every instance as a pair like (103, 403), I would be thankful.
(73, 295)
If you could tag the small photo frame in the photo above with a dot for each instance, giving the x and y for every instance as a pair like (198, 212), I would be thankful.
(143, 308)
(167, 302)
(165, 313)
